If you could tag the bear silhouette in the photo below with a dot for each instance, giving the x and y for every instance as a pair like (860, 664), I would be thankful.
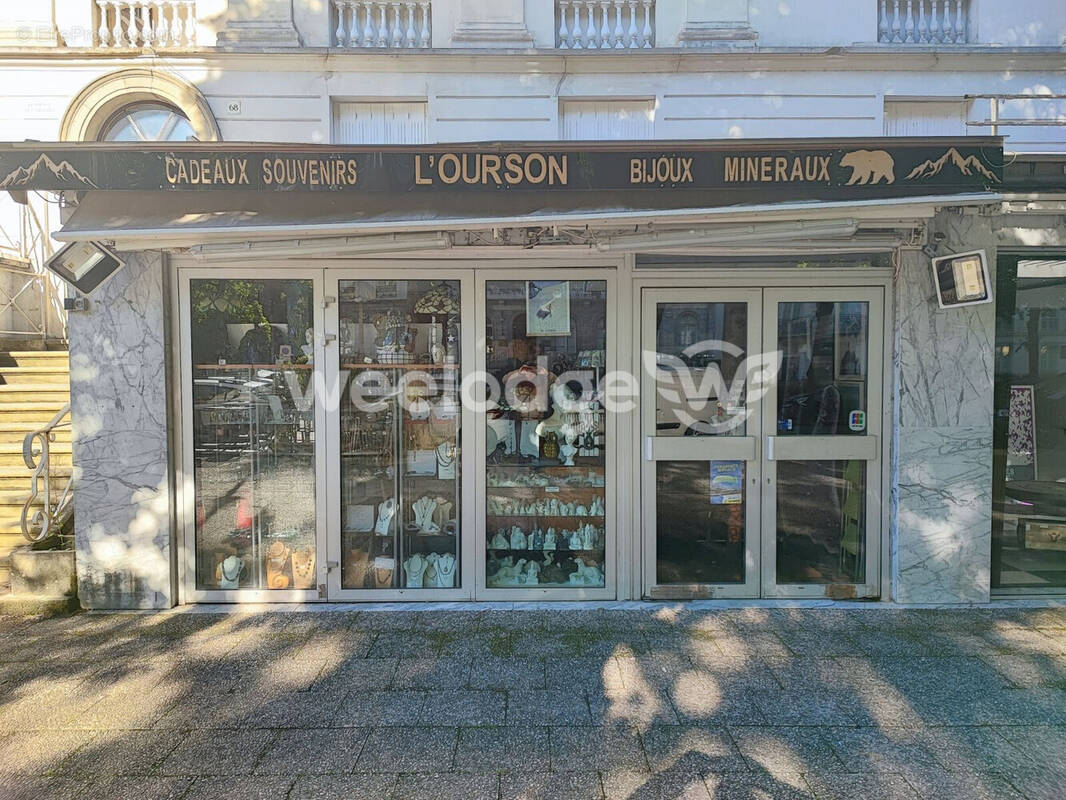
(869, 166)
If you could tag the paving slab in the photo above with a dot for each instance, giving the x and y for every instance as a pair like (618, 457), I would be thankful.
(248, 787)
(321, 751)
(547, 707)
(464, 707)
(691, 749)
(367, 709)
(503, 749)
(446, 786)
(342, 787)
(783, 750)
(549, 786)
(408, 749)
(222, 753)
(580, 747)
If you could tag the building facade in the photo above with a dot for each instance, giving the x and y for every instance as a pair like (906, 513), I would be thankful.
(689, 244)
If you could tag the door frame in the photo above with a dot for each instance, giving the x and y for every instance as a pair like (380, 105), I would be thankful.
(614, 508)
(651, 298)
(380, 270)
(847, 447)
(186, 489)
(764, 279)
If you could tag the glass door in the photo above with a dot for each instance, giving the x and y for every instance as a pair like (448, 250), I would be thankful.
(545, 439)
(250, 436)
(393, 377)
(821, 481)
(703, 376)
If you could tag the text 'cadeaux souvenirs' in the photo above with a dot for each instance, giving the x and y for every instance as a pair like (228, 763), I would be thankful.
(233, 171)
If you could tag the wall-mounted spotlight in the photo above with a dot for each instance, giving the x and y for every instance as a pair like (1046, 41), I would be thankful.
(84, 265)
(962, 279)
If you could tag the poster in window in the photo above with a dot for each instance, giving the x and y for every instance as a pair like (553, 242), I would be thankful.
(547, 308)
(1021, 434)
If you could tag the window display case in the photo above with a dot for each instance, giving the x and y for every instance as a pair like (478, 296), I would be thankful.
(545, 434)
(253, 434)
(400, 424)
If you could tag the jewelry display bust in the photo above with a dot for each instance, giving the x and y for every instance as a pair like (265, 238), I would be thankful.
(415, 567)
(423, 509)
(446, 571)
(386, 511)
(229, 572)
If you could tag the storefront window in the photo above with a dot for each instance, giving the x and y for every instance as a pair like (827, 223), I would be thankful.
(400, 443)
(545, 435)
(253, 433)
(1029, 463)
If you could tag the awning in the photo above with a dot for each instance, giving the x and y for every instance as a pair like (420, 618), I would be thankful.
(180, 219)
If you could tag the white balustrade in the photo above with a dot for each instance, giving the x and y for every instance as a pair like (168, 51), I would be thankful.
(923, 21)
(397, 23)
(605, 24)
(144, 23)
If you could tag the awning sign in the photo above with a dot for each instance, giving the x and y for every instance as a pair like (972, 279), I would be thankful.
(788, 170)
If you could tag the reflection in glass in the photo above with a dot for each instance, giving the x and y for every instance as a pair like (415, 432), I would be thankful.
(821, 521)
(545, 447)
(1029, 460)
(700, 521)
(700, 347)
(400, 443)
(253, 434)
(822, 383)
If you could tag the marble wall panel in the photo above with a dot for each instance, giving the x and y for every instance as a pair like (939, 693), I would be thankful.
(944, 362)
(122, 501)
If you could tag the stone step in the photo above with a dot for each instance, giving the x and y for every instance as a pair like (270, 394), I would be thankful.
(35, 358)
(34, 414)
(33, 393)
(11, 454)
(17, 479)
(15, 375)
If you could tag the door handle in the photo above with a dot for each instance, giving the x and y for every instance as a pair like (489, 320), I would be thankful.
(647, 448)
(770, 448)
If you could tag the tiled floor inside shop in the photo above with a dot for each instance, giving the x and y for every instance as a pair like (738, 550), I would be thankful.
(645, 702)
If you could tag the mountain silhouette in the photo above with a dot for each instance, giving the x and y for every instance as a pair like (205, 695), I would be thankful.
(966, 166)
(63, 172)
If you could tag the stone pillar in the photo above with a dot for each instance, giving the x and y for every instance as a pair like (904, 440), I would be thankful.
(118, 394)
(943, 502)
(492, 23)
(709, 22)
(263, 23)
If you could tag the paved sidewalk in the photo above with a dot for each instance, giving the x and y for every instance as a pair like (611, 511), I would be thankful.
(650, 703)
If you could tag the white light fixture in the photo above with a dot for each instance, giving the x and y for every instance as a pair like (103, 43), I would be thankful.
(755, 233)
(334, 245)
(84, 265)
(962, 279)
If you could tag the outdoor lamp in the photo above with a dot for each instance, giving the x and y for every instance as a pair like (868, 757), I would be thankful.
(962, 279)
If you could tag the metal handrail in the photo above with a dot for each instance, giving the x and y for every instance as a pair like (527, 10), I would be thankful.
(43, 521)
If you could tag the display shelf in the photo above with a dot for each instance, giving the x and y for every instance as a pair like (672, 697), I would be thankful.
(594, 550)
(379, 365)
(546, 518)
(226, 367)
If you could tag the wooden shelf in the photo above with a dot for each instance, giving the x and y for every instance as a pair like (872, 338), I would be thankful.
(376, 365)
(254, 366)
